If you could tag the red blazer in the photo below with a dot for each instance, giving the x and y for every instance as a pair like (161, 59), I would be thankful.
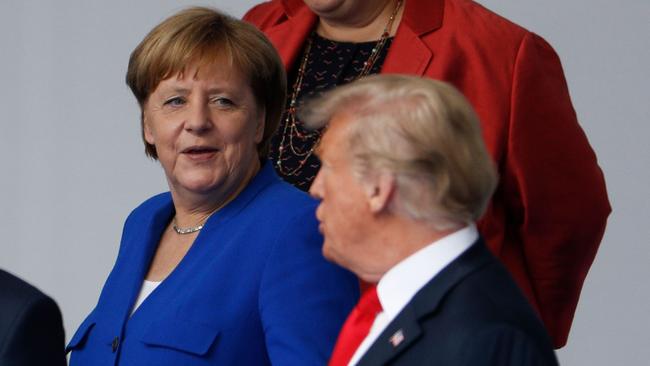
(549, 212)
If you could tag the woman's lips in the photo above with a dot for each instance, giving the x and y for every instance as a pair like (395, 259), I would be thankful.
(200, 153)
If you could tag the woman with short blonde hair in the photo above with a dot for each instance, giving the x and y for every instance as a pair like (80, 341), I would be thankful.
(226, 267)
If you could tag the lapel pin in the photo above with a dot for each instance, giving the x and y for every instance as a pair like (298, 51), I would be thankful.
(396, 338)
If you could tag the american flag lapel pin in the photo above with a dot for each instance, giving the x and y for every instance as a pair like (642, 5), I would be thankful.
(396, 338)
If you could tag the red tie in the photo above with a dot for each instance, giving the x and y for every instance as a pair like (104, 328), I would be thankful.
(356, 327)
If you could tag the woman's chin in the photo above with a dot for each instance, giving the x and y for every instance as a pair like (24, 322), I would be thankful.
(198, 184)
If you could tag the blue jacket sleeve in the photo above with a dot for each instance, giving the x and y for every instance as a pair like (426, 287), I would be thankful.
(303, 300)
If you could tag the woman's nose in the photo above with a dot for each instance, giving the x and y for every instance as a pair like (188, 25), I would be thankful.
(199, 119)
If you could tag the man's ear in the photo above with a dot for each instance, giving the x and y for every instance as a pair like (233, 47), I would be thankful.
(381, 192)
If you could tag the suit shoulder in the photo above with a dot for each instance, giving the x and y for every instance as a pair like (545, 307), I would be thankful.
(15, 290)
(29, 321)
(285, 201)
(20, 301)
(488, 300)
(154, 202)
(265, 14)
(151, 204)
(502, 344)
(495, 294)
(471, 22)
(484, 19)
(482, 315)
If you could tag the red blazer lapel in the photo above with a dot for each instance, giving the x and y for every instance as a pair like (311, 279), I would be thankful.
(408, 54)
(288, 37)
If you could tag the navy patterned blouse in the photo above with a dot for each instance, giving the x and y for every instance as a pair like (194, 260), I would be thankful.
(330, 63)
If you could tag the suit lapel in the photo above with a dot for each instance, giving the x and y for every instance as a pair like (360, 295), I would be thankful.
(289, 36)
(408, 54)
(398, 336)
(145, 236)
(405, 329)
(144, 241)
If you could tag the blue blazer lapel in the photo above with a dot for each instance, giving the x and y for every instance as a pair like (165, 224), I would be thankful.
(142, 238)
(142, 234)
(405, 329)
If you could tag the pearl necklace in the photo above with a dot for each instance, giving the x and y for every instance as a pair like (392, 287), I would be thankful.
(291, 128)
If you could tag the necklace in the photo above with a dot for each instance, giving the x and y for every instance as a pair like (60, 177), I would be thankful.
(186, 230)
(291, 127)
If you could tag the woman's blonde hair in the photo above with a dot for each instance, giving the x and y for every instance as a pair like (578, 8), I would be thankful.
(205, 35)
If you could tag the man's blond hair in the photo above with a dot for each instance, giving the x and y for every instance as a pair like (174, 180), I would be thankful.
(424, 133)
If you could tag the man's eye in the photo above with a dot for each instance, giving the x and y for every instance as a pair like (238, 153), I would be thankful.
(175, 101)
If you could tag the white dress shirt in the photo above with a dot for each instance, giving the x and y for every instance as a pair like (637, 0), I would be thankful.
(398, 286)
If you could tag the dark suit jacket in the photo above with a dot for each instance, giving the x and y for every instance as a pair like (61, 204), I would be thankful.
(548, 215)
(471, 313)
(31, 328)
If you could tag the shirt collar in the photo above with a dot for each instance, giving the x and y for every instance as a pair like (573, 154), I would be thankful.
(396, 288)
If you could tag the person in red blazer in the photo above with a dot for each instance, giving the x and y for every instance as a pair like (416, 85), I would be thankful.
(549, 212)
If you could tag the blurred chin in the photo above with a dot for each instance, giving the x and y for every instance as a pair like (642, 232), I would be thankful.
(199, 183)
(337, 258)
(327, 252)
(331, 255)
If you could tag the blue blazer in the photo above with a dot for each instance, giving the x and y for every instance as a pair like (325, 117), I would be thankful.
(253, 289)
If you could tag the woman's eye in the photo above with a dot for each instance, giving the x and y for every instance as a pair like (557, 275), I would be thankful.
(175, 101)
(223, 102)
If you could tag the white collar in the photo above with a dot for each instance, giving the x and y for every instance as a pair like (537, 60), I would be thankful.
(396, 288)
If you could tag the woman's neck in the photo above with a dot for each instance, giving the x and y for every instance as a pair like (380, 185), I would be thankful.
(366, 25)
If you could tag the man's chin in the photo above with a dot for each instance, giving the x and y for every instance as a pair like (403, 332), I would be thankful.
(333, 256)
(327, 253)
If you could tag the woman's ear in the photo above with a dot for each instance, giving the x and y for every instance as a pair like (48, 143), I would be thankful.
(259, 127)
(146, 130)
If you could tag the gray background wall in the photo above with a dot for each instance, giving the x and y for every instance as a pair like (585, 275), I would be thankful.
(72, 166)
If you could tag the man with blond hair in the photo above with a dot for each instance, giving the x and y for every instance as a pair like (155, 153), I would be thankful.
(405, 175)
